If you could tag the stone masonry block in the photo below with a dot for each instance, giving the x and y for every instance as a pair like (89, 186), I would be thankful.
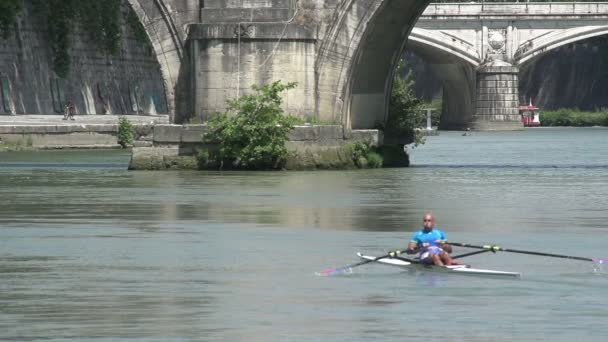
(331, 132)
(193, 133)
(304, 133)
(167, 133)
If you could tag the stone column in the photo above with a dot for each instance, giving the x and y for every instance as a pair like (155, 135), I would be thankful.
(497, 101)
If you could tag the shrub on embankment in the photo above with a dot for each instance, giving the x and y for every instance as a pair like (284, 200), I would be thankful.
(253, 135)
(126, 132)
(573, 117)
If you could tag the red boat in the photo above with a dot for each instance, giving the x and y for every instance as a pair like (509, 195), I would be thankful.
(530, 115)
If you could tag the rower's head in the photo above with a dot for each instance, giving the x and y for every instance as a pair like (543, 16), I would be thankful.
(428, 221)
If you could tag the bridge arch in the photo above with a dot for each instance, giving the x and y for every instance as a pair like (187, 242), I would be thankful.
(358, 56)
(449, 45)
(167, 37)
(534, 48)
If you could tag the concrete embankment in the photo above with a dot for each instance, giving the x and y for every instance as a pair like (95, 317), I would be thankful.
(314, 147)
(85, 131)
(159, 145)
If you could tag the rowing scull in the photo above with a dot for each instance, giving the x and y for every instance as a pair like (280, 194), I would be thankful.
(457, 269)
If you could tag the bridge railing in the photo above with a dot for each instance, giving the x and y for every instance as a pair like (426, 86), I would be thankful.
(515, 9)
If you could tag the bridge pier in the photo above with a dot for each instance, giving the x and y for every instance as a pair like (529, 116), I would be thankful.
(497, 101)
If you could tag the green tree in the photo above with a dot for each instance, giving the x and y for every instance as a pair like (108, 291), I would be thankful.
(404, 108)
(254, 136)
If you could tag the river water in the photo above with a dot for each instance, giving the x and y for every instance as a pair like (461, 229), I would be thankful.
(91, 251)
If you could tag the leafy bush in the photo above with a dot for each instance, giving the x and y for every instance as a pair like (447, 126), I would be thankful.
(374, 159)
(364, 155)
(404, 107)
(126, 132)
(255, 136)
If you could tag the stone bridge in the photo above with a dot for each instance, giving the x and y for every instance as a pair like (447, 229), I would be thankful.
(477, 50)
(343, 53)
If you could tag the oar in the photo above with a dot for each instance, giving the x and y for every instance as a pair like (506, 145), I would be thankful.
(344, 269)
(494, 248)
(469, 254)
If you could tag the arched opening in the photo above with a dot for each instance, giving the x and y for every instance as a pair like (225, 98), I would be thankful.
(582, 82)
(167, 41)
(358, 59)
(439, 71)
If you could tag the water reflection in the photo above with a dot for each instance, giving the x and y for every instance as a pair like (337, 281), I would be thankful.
(115, 255)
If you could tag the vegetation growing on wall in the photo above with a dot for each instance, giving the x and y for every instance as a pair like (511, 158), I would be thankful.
(364, 155)
(254, 136)
(138, 29)
(100, 19)
(126, 132)
(9, 9)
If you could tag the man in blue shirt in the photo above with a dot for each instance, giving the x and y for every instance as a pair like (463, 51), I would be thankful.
(431, 243)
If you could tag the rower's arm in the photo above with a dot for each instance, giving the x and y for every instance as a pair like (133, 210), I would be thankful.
(446, 247)
(412, 248)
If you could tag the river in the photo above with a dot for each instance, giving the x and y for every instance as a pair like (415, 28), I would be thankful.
(91, 251)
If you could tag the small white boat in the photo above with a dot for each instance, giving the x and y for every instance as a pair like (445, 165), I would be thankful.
(458, 269)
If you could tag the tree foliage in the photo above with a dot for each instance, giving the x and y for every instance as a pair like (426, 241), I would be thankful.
(254, 136)
(574, 117)
(404, 108)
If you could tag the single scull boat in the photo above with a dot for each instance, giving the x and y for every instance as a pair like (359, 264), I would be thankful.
(457, 269)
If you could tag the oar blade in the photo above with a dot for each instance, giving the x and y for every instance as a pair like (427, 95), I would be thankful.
(334, 271)
(600, 260)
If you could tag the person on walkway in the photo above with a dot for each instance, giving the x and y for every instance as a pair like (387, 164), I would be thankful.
(70, 110)
(431, 243)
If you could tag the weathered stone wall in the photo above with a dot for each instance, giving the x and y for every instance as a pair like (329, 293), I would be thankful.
(496, 102)
(342, 54)
(68, 136)
(129, 83)
(314, 147)
(226, 68)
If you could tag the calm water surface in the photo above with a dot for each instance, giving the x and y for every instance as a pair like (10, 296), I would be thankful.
(90, 251)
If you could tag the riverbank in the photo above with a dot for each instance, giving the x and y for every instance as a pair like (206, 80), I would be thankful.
(573, 118)
(159, 145)
(22, 132)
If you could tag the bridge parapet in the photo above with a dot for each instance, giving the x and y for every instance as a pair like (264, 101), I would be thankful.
(221, 11)
(572, 9)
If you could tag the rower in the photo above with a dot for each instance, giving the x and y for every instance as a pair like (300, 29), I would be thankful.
(431, 243)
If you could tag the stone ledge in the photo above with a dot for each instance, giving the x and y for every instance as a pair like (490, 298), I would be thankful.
(239, 4)
(236, 15)
(53, 129)
(316, 133)
(253, 31)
